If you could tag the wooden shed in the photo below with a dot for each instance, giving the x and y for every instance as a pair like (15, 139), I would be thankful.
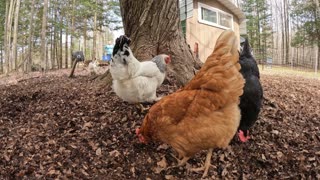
(204, 20)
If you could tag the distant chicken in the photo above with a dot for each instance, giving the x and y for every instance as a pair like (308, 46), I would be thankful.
(93, 67)
(251, 100)
(135, 81)
(205, 113)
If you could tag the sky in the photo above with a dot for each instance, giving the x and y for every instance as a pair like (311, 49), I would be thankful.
(118, 33)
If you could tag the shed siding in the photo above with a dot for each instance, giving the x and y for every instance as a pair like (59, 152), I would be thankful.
(206, 35)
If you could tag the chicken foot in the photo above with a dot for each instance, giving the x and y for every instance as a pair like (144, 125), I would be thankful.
(141, 107)
(206, 165)
(182, 161)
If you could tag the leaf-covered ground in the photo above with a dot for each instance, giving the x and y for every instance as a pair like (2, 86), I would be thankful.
(55, 127)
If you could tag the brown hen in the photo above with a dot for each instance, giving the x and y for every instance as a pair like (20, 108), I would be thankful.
(205, 113)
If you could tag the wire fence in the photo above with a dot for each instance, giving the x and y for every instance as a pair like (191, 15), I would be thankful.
(303, 59)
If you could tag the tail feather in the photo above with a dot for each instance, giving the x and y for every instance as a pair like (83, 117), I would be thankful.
(220, 73)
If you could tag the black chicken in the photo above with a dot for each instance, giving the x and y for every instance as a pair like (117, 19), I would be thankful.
(251, 100)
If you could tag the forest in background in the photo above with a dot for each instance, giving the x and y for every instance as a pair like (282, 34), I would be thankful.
(286, 31)
(42, 34)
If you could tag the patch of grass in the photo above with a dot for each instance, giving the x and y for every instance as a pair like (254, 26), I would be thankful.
(288, 71)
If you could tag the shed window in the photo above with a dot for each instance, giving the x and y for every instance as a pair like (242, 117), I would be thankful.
(184, 27)
(208, 15)
(214, 17)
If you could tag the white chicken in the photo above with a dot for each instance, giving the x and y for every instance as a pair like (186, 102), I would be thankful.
(135, 81)
(93, 67)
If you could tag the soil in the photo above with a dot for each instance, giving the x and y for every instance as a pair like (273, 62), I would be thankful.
(52, 126)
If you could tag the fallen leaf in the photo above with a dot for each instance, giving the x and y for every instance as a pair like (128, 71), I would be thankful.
(114, 153)
(169, 177)
(98, 152)
(86, 125)
(162, 163)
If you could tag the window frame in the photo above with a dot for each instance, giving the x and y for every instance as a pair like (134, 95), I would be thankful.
(218, 11)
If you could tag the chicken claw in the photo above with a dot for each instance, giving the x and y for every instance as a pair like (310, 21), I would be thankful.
(182, 161)
(206, 165)
(141, 107)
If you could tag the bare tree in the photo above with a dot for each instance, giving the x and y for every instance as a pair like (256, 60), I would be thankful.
(43, 36)
(94, 41)
(8, 33)
(15, 34)
(72, 27)
(30, 44)
(66, 45)
(317, 59)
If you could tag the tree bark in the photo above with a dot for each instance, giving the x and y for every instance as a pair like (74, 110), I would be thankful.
(66, 45)
(55, 34)
(8, 31)
(43, 36)
(15, 34)
(154, 28)
(72, 28)
(60, 46)
(85, 37)
(30, 44)
(1, 58)
(94, 40)
(286, 31)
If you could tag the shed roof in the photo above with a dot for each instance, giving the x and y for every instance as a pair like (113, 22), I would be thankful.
(234, 9)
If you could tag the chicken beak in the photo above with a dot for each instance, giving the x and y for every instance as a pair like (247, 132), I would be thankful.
(168, 60)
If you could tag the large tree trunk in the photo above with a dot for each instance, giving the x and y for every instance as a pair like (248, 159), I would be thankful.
(154, 28)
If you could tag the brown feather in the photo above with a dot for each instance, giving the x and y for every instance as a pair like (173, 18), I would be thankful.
(204, 114)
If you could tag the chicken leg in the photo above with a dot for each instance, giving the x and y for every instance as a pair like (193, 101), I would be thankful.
(206, 165)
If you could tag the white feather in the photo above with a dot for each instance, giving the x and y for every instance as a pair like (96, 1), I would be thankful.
(135, 81)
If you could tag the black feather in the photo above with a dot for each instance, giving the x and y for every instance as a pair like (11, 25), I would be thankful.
(120, 42)
(251, 100)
